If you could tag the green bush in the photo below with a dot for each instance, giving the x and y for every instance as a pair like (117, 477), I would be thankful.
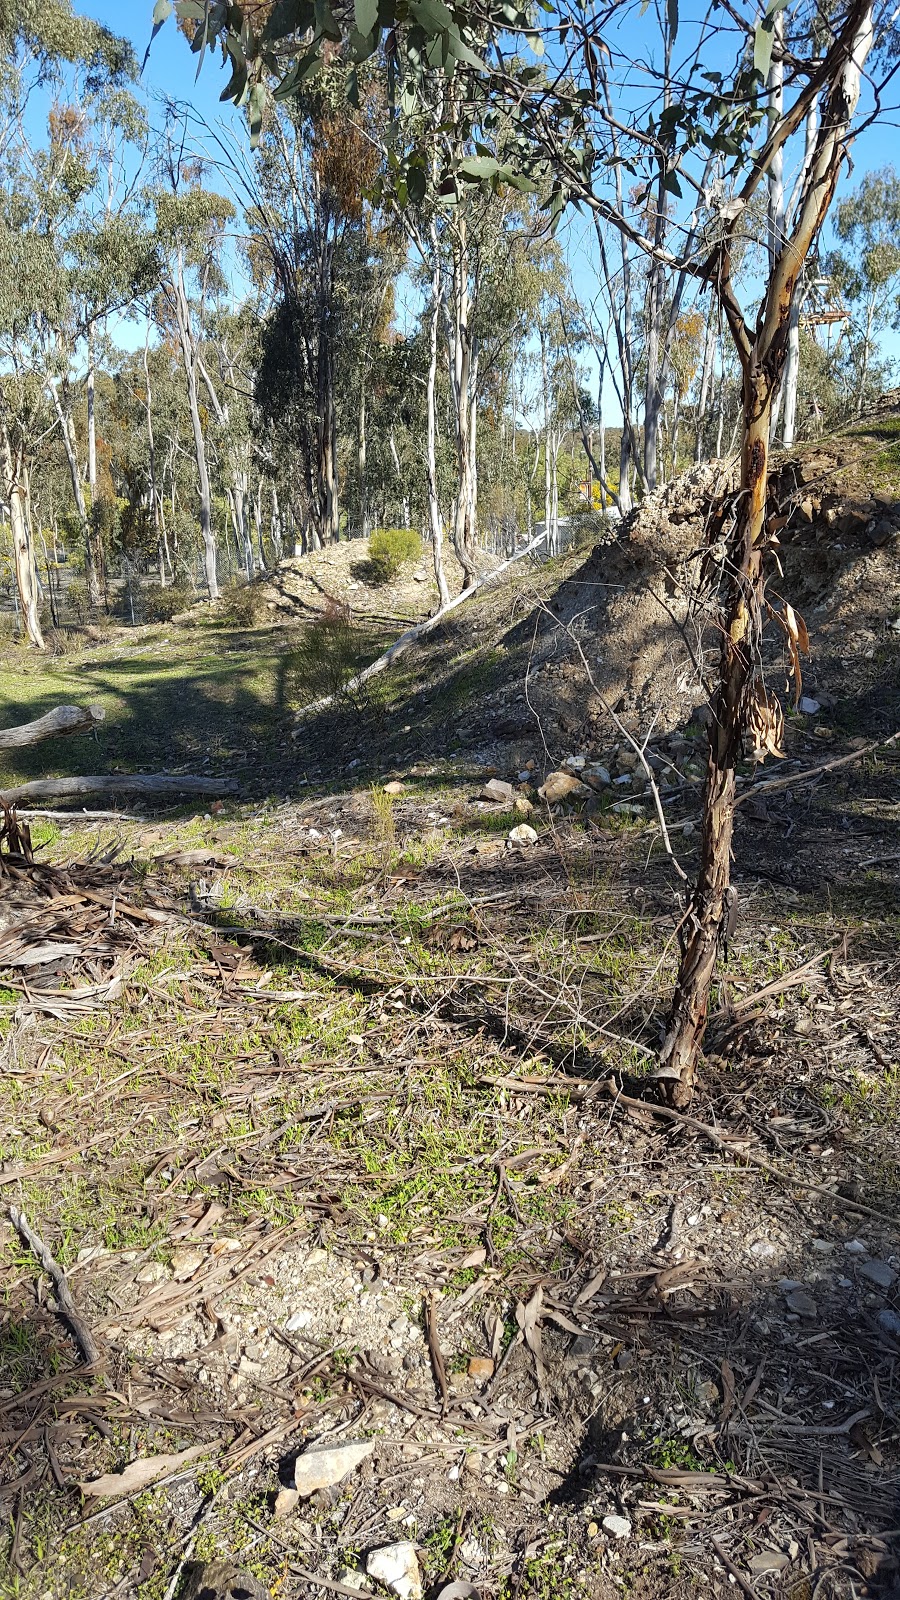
(244, 605)
(390, 549)
(330, 653)
(160, 604)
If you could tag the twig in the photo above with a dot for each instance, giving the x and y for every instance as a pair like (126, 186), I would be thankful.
(324, 1583)
(736, 1573)
(813, 772)
(67, 1305)
(434, 1350)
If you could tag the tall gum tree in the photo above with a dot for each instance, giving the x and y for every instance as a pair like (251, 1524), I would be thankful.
(190, 221)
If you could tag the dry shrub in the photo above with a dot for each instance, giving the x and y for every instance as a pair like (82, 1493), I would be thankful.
(243, 606)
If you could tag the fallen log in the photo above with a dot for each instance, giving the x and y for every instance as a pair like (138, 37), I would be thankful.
(149, 783)
(64, 720)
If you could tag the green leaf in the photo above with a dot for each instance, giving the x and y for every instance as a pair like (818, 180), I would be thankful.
(476, 168)
(672, 15)
(763, 40)
(258, 97)
(461, 52)
(416, 184)
(288, 16)
(365, 15)
(671, 184)
(433, 15)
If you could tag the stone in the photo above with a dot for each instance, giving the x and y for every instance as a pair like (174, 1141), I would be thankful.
(584, 1344)
(397, 1567)
(498, 790)
(322, 1467)
(394, 787)
(523, 834)
(152, 1272)
(352, 1578)
(763, 1249)
(628, 759)
(298, 1320)
(285, 1501)
(617, 1527)
(801, 1303)
(768, 1561)
(855, 1247)
(889, 1322)
(808, 706)
(185, 1262)
(879, 1273)
(481, 1367)
(575, 763)
(522, 805)
(597, 777)
(559, 786)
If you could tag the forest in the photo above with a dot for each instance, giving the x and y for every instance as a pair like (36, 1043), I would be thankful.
(449, 746)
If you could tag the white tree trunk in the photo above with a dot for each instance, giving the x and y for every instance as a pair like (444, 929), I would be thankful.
(15, 492)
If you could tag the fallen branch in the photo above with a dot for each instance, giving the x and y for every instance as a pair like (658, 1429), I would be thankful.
(67, 1305)
(412, 635)
(150, 783)
(811, 773)
(64, 720)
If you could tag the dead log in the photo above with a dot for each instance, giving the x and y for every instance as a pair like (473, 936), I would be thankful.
(149, 783)
(65, 719)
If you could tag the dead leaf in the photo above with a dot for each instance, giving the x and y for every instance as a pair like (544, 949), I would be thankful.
(527, 1317)
(138, 1474)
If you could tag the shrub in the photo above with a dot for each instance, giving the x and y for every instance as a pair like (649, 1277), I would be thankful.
(244, 605)
(390, 549)
(161, 605)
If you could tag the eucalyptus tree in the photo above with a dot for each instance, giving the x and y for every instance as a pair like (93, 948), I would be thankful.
(600, 105)
(315, 237)
(47, 257)
(864, 269)
(190, 223)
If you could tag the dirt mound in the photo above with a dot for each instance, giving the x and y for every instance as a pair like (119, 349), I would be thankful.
(637, 616)
(304, 587)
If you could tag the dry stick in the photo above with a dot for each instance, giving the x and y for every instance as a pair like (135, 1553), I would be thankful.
(736, 1573)
(814, 772)
(66, 1303)
(64, 720)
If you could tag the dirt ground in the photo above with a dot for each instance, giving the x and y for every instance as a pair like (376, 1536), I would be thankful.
(336, 1107)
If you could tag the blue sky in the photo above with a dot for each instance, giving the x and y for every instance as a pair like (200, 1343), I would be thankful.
(171, 70)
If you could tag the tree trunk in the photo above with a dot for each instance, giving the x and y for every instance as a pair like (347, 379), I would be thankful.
(791, 378)
(67, 433)
(461, 356)
(741, 699)
(435, 520)
(15, 492)
(189, 361)
(700, 935)
(91, 418)
(361, 460)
